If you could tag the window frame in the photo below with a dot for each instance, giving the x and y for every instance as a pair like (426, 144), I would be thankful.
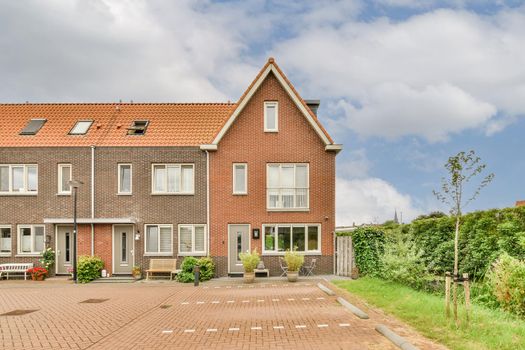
(119, 192)
(307, 251)
(268, 188)
(276, 104)
(90, 121)
(25, 192)
(180, 193)
(245, 192)
(193, 251)
(18, 236)
(10, 253)
(60, 167)
(158, 253)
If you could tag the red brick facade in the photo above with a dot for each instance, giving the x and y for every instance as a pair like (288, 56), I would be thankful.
(246, 142)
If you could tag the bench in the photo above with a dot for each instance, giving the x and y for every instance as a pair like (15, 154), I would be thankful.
(162, 266)
(6, 269)
(266, 271)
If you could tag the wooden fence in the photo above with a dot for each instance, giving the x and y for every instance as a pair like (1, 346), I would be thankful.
(345, 256)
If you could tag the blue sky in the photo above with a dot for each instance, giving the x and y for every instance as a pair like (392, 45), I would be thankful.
(403, 84)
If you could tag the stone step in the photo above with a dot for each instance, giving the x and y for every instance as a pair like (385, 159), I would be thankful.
(115, 279)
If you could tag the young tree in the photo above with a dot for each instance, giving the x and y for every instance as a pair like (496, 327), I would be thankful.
(462, 168)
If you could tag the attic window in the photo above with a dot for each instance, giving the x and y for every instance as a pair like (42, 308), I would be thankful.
(81, 127)
(138, 127)
(33, 127)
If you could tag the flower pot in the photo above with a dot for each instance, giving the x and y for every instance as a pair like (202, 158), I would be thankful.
(249, 277)
(38, 277)
(292, 276)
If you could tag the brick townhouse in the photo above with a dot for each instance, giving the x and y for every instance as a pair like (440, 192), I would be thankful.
(169, 179)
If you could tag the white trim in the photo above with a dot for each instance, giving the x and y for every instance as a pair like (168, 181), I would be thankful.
(249, 241)
(245, 192)
(11, 247)
(193, 251)
(180, 165)
(93, 184)
(295, 208)
(294, 97)
(334, 148)
(60, 189)
(158, 253)
(276, 105)
(208, 147)
(119, 165)
(32, 227)
(90, 221)
(318, 251)
(208, 201)
(132, 251)
(25, 175)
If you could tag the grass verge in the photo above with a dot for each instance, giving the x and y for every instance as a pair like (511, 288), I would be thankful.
(489, 329)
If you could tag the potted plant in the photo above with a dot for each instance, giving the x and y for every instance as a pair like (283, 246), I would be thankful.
(48, 259)
(294, 261)
(249, 262)
(136, 272)
(70, 271)
(38, 273)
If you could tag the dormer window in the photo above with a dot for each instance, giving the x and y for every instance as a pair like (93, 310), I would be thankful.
(33, 127)
(81, 127)
(138, 127)
(271, 116)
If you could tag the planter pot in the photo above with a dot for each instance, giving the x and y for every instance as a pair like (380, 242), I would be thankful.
(292, 276)
(249, 277)
(38, 278)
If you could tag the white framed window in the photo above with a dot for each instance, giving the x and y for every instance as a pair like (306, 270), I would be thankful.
(240, 178)
(278, 238)
(192, 239)
(288, 186)
(125, 179)
(64, 176)
(158, 239)
(31, 239)
(5, 240)
(18, 179)
(271, 116)
(172, 179)
(81, 127)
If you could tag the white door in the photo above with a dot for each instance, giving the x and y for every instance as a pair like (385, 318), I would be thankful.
(64, 250)
(122, 249)
(239, 242)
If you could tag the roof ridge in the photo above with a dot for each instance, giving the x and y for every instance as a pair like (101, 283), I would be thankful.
(118, 103)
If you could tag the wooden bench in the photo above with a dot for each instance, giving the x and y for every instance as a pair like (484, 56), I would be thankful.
(162, 266)
(266, 271)
(6, 269)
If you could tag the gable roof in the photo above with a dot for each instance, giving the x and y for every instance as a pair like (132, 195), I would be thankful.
(272, 67)
(170, 124)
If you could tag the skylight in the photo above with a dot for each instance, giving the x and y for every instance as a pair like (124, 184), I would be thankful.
(33, 127)
(81, 127)
(138, 127)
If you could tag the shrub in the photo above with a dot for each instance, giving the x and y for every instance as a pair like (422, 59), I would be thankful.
(293, 260)
(187, 275)
(507, 281)
(369, 246)
(250, 260)
(48, 258)
(88, 268)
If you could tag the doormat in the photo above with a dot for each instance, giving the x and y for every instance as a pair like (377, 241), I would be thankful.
(18, 312)
(93, 301)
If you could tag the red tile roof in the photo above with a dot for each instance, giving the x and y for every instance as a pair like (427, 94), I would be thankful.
(170, 124)
(520, 203)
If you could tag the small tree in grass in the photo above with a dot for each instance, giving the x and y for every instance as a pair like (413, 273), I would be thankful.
(462, 168)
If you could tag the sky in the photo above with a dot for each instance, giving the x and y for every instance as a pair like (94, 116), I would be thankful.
(403, 84)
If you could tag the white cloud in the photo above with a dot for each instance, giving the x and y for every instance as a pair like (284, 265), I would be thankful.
(371, 200)
(434, 74)
(355, 164)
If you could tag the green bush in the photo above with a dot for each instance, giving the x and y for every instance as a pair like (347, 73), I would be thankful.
(293, 260)
(187, 275)
(507, 280)
(250, 260)
(369, 247)
(88, 268)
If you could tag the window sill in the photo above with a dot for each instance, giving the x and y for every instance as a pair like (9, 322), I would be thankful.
(5, 255)
(64, 194)
(271, 131)
(28, 256)
(192, 254)
(240, 194)
(158, 254)
(288, 209)
(171, 194)
(18, 194)
(313, 252)
(125, 194)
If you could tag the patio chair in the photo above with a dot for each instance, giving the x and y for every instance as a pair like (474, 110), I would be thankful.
(309, 269)
(284, 268)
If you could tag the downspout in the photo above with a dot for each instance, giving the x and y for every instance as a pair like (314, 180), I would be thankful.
(208, 198)
(92, 199)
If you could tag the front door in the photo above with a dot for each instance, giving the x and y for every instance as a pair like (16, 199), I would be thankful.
(64, 250)
(122, 249)
(239, 242)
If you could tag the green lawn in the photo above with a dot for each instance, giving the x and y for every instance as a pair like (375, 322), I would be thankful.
(489, 329)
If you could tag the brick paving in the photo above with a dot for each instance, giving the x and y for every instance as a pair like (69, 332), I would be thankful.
(216, 315)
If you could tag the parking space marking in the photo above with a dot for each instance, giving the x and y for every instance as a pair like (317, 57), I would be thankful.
(305, 298)
(290, 299)
(189, 331)
(256, 328)
(322, 326)
(278, 327)
(344, 324)
(320, 298)
(167, 331)
(233, 329)
(200, 302)
(245, 301)
(184, 303)
(211, 330)
(215, 302)
(260, 301)
(300, 326)
(230, 301)
(275, 299)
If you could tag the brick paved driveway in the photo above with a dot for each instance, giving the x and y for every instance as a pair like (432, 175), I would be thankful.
(219, 314)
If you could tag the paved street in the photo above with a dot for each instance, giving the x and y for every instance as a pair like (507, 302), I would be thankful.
(161, 315)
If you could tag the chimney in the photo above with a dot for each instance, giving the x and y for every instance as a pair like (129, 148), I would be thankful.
(313, 105)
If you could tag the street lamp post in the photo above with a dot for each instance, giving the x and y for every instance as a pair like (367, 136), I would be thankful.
(75, 185)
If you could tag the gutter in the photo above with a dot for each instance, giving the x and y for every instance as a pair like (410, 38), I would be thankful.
(208, 198)
(92, 199)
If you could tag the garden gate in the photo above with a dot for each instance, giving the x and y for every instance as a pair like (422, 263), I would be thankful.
(345, 256)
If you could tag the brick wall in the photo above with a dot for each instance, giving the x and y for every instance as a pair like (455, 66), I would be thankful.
(246, 142)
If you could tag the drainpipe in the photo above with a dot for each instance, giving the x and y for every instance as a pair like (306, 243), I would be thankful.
(208, 198)
(92, 199)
